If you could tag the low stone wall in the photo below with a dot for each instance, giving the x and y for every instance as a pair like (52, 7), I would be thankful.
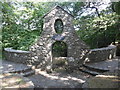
(101, 54)
(95, 55)
(18, 56)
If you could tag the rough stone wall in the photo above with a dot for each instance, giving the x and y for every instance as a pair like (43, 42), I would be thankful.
(41, 51)
(101, 54)
(95, 55)
(18, 56)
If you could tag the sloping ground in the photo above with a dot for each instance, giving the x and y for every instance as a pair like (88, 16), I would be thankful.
(109, 79)
(15, 81)
(8, 66)
(103, 81)
(75, 79)
(42, 79)
(12, 67)
(59, 80)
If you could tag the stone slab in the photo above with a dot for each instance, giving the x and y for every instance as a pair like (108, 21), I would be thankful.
(9, 66)
(110, 65)
(94, 73)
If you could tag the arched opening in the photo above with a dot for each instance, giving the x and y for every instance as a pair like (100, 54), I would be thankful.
(59, 49)
(58, 26)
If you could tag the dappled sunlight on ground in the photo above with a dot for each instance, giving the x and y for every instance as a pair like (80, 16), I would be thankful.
(61, 78)
(58, 80)
(15, 81)
(103, 81)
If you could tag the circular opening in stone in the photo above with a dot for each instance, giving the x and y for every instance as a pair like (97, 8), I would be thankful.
(58, 26)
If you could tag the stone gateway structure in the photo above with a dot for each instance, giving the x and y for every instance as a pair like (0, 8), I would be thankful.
(42, 52)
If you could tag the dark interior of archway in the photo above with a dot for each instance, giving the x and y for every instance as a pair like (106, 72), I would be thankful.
(59, 49)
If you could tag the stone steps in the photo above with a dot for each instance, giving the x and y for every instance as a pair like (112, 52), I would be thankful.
(84, 69)
(21, 70)
(92, 70)
(24, 72)
(98, 69)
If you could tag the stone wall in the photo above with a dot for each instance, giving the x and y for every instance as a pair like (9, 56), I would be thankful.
(18, 56)
(41, 51)
(101, 54)
(95, 55)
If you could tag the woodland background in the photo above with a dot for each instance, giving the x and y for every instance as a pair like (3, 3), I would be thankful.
(22, 22)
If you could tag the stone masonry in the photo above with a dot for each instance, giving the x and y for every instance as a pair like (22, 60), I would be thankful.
(94, 55)
(41, 54)
(41, 51)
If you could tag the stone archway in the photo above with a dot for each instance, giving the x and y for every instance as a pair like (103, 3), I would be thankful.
(59, 49)
(58, 27)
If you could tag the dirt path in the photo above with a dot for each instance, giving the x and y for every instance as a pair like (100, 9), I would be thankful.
(59, 80)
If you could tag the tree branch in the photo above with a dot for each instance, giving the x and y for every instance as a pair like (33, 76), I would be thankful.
(68, 10)
(93, 7)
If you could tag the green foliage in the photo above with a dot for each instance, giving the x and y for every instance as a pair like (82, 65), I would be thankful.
(22, 23)
(59, 49)
(116, 7)
(95, 31)
(99, 32)
(75, 8)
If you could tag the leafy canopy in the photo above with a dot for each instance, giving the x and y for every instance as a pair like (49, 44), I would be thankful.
(22, 22)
